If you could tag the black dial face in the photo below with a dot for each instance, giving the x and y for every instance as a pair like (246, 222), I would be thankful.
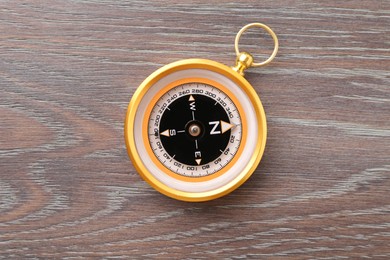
(194, 122)
(195, 129)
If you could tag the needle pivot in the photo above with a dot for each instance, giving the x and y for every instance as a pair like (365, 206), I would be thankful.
(194, 130)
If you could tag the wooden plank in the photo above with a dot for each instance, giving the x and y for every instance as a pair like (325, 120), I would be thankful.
(68, 189)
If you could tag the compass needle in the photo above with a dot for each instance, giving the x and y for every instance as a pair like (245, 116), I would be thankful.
(165, 133)
(225, 126)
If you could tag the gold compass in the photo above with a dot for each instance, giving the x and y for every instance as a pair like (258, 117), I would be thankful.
(195, 129)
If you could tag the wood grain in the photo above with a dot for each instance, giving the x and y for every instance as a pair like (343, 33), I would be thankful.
(68, 190)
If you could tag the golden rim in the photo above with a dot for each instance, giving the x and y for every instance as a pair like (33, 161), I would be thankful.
(172, 85)
(206, 65)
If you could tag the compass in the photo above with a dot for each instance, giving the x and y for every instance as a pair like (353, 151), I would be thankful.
(195, 129)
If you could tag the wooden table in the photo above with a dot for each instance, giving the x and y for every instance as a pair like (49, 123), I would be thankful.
(68, 190)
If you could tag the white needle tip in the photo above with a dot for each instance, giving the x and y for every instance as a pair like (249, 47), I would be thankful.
(165, 133)
(225, 126)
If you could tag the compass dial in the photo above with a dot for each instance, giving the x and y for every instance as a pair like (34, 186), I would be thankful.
(194, 129)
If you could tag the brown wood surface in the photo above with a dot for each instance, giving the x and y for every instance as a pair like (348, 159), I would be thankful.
(68, 190)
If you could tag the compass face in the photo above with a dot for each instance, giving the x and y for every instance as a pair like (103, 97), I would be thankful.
(194, 129)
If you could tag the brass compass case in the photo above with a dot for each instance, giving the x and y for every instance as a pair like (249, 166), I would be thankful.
(247, 128)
